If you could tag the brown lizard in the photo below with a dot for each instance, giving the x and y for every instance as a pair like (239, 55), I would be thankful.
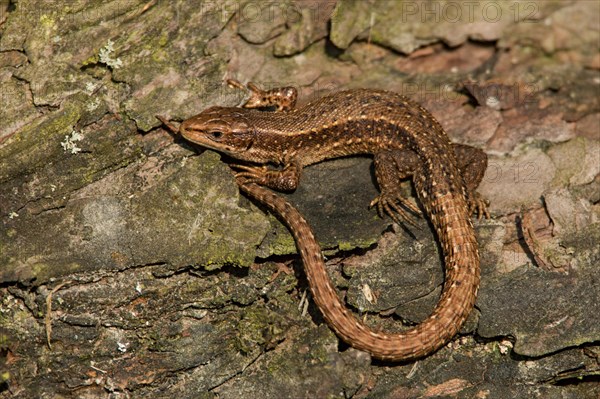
(406, 142)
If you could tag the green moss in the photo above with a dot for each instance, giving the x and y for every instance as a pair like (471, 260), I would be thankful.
(46, 22)
(163, 40)
(351, 245)
(257, 327)
(31, 147)
(283, 244)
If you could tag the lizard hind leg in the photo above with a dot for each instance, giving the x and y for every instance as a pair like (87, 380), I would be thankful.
(472, 163)
(390, 169)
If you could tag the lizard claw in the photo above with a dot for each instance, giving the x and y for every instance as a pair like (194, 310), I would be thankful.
(259, 170)
(478, 205)
(391, 207)
(250, 174)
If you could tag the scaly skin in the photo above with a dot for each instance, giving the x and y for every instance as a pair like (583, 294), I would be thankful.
(406, 142)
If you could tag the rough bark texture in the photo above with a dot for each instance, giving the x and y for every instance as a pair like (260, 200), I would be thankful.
(130, 265)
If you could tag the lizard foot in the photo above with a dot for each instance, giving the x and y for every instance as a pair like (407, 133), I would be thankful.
(391, 205)
(285, 179)
(282, 98)
(478, 205)
(251, 174)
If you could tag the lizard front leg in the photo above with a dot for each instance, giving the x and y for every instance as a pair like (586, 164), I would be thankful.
(282, 98)
(285, 179)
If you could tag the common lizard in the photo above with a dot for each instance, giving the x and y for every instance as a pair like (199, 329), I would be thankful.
(406, 141)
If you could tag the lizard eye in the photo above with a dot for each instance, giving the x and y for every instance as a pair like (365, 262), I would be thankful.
(215, 134)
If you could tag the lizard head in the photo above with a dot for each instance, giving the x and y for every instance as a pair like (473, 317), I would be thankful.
(221, 129)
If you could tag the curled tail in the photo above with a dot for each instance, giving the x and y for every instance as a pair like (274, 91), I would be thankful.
(455, 231)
